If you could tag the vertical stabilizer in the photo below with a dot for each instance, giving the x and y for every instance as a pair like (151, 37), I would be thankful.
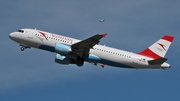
(159, 48)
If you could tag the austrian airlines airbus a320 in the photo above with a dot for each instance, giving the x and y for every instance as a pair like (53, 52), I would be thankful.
(72, 51)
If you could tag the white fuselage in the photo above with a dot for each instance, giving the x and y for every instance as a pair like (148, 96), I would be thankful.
(99, 53)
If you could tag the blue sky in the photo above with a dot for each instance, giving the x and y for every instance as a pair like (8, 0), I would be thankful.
(133, 25)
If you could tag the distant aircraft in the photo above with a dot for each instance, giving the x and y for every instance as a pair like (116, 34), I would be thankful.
(101, 20)
(72, 51)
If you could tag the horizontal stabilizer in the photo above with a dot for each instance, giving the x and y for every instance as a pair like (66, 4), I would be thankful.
(157, 61)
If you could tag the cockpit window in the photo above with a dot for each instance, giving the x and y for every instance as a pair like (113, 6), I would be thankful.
(21, 31)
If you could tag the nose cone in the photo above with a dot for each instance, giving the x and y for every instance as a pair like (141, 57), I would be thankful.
(12, 36)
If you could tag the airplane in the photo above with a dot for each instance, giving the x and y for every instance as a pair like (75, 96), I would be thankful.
(73, 51)
(101, 20)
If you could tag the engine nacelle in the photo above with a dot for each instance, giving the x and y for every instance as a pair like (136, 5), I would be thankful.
(62, 59)
(62, 49)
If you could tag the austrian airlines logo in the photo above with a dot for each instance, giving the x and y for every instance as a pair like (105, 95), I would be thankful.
(44, 35)
(163, 46)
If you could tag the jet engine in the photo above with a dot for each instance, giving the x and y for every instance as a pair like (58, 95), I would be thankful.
(62, 49)
(63, 56)
(62, 59)
(66, 60)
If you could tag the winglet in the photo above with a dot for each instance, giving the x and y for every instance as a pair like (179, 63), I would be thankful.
(103, 65)
(104, 35)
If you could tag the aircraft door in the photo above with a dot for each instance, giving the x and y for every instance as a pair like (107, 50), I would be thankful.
(136, 59)
(30, 34)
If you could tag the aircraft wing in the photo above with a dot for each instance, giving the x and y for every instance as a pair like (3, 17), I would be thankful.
(83, 47)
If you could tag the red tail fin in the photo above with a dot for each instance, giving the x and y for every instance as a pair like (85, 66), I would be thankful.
(159, 48)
